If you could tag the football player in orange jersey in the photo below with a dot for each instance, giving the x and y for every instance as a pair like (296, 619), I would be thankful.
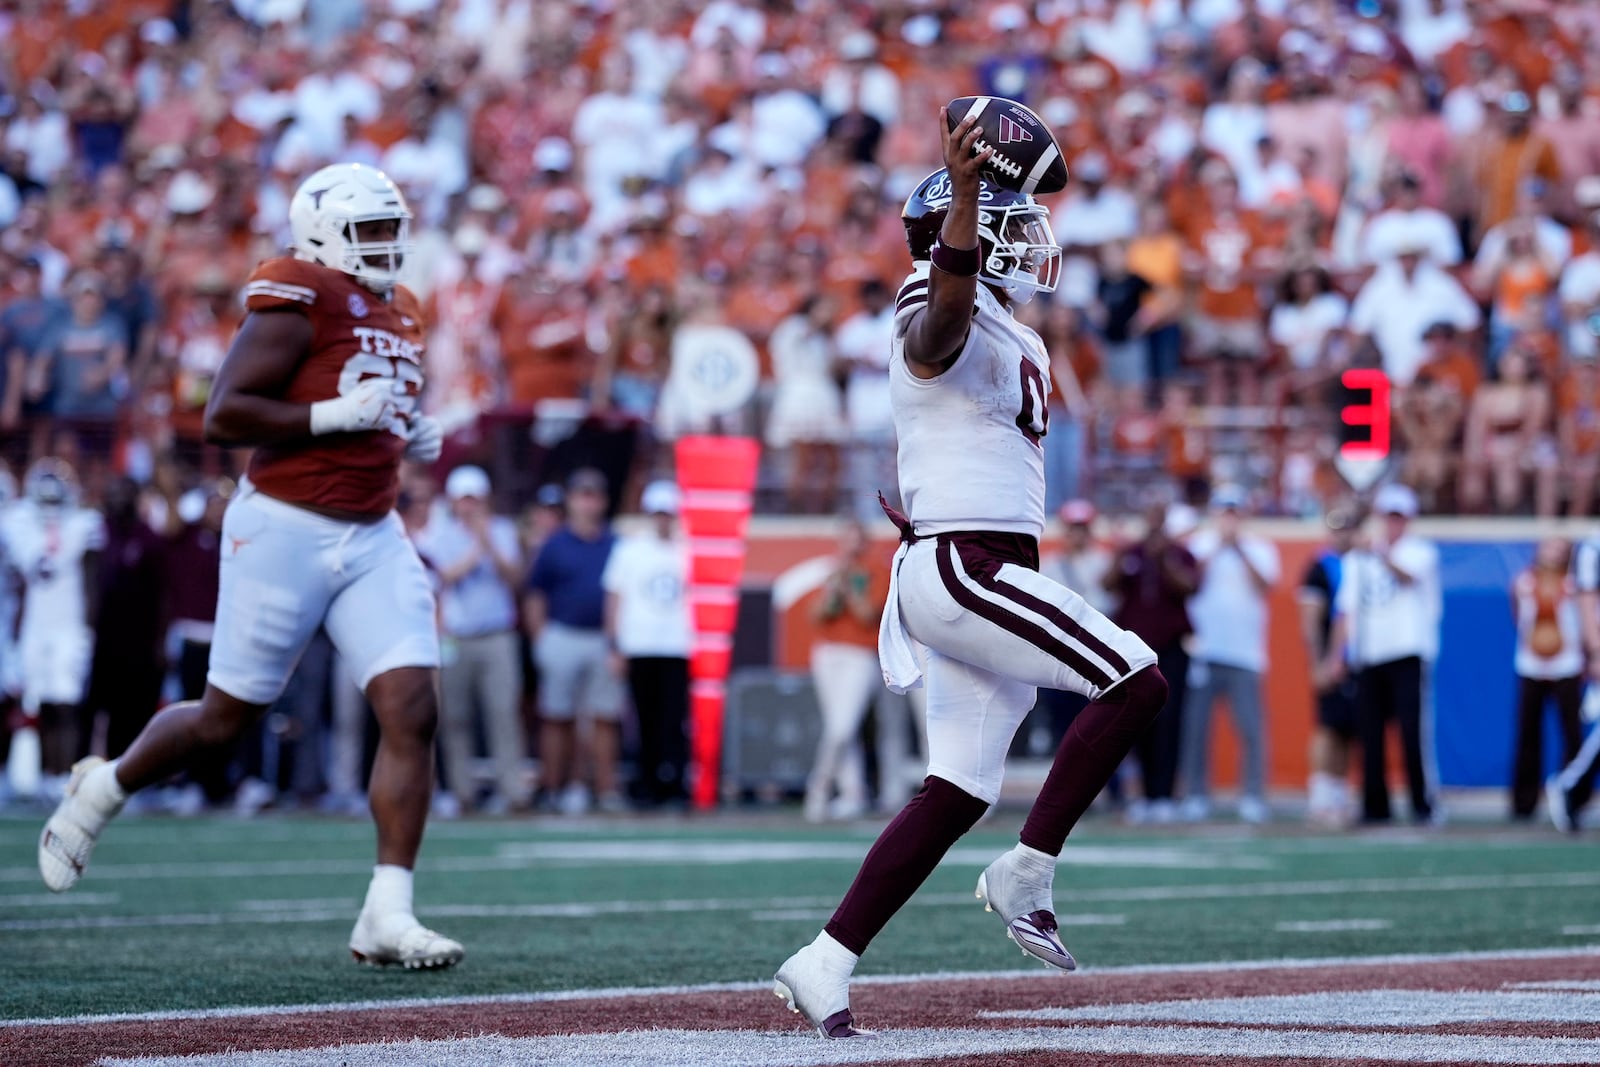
(322, 380)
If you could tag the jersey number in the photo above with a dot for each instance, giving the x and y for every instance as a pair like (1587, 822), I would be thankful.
(1034, 418)
(363, 365)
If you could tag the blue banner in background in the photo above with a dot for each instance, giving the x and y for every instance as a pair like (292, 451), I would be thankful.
(1474, 683)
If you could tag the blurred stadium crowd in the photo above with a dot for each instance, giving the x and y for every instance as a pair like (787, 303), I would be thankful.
(1265, 191)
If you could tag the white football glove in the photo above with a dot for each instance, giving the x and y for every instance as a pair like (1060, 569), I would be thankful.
(369, 406)
(426, 440)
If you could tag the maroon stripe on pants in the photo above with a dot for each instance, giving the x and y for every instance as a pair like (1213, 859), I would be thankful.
(1014, 624)
(1070, 626)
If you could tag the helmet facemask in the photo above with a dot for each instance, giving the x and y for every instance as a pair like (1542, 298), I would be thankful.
(1020, 251)
(352, 218)
(376, 261)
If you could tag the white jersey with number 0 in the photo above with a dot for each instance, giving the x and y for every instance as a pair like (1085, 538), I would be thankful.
(970, 456)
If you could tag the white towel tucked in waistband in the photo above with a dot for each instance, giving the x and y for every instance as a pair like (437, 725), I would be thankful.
(897, 649)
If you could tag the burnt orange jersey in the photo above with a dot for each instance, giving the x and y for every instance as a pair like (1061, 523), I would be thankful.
(356, 334)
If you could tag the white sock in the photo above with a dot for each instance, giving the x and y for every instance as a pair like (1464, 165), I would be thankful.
(390, 890)
(835, 955)
(1035, 860)
(102, 795)
(1320, 792)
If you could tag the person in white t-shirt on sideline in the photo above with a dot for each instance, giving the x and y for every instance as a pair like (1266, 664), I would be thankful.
(1389, 606)
(648, 625)
(477, 557)
(1549, 665)
(1228, 653)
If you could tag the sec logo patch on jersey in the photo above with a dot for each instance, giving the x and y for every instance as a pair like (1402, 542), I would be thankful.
(357, 305)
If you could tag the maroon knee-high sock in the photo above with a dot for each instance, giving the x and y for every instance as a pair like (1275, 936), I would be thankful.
(1095, 743)
(907, 851)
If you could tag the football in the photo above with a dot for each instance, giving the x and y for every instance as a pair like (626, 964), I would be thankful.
(1027, 158)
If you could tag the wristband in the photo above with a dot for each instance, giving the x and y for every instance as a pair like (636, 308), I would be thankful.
(328, 416)
(961, 262)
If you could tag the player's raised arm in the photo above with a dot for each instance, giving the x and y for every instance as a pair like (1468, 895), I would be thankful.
(246, 405)
(937, 332)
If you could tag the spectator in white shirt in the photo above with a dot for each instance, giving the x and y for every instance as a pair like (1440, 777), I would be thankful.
(785, 122)
(1430, 28)
(1235, 126)
(615, 128)
(1387, 631)
(745, 20)
(1307, 322)
(862, 344)
(478, 559)
(1401, 300)
(647, 621)
(1408, 218)
(1579, 293)
(43, 138)
(1554, 241)
(861, 83)
(1093, 214)
(719, 184)
(1228, 654)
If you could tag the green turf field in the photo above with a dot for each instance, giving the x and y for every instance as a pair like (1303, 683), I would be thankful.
(216, 912)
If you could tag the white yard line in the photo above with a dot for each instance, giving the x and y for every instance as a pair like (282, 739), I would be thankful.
(589, 909)
(794, 1049)
(567, 995)
(48, 900)
(1331, 926)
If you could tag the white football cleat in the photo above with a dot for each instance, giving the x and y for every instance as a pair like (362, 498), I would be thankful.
(1558, 805)
(1022, 898)
(401, 940)
(70, 833)
(818, 993)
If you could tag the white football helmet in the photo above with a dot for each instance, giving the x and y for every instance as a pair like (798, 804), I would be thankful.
(330, 205)
(51, 484)
(1020, 253)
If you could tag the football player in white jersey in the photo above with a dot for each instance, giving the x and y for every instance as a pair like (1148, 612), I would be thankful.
(968, 385)
(48, 538)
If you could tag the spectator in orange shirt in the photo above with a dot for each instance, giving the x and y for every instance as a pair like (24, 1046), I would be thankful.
(1519, 280)
(1507, 155)
(1156, 254)
(1185, 441)
(1430, 416)
(1227, 246)
(844, 668)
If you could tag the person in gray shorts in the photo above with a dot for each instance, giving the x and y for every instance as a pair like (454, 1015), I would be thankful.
(565, 612)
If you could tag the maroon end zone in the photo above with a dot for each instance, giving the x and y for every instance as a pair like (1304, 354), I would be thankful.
(956, 1003)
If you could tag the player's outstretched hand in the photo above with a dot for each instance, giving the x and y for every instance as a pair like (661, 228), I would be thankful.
(965, 165)
(426, 440)
(369, 406)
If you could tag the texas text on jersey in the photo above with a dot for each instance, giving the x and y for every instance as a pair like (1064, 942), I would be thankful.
(356, 335)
